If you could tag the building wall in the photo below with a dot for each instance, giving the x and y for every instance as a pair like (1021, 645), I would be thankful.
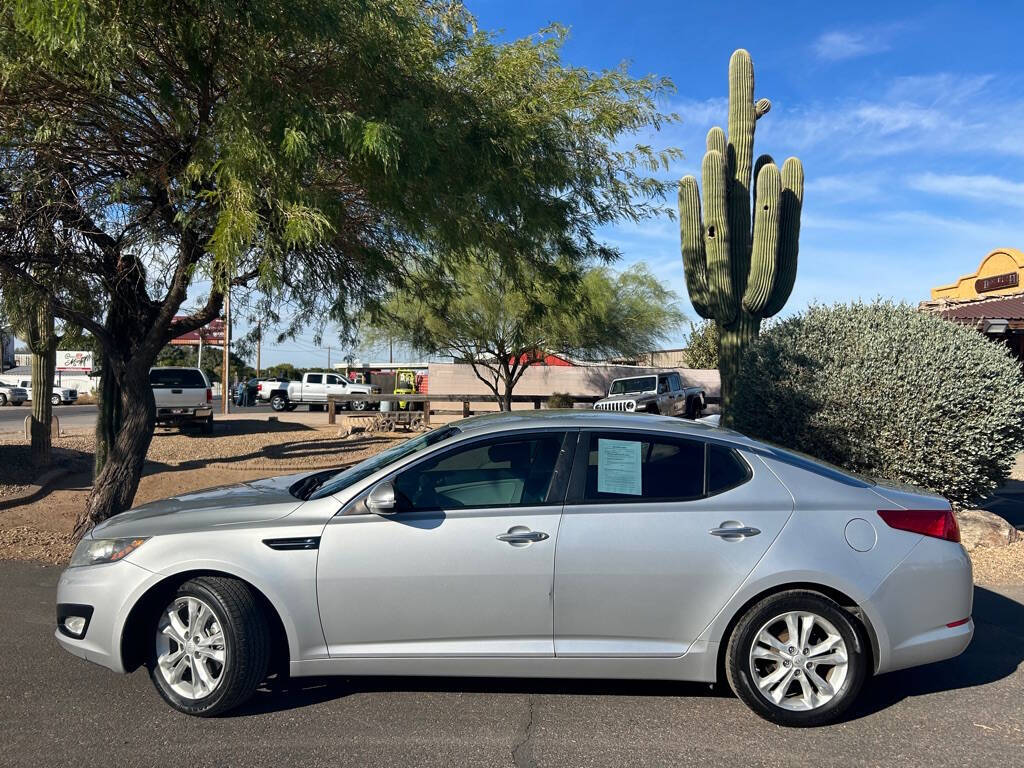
(1002, 262)
(543, 381)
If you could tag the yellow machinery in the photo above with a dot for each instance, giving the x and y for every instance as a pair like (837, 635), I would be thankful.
(405, 384)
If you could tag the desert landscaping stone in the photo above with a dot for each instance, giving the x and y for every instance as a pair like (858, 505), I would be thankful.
(981, 528)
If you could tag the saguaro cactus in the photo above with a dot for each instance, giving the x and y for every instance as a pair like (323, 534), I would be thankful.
(736, 273)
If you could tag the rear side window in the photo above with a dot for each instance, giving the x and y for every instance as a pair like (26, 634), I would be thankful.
(177, 378)
(315, 378)
(726, 469)
(629, 467)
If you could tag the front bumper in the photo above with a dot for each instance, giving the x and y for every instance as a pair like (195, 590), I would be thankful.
(110, 590)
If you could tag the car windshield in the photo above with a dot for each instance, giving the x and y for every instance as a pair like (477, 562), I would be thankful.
(334, 483)
(162, 378)
(638, 384)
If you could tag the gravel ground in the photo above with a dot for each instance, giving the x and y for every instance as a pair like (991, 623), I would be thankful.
(999, 565)
(73, 453)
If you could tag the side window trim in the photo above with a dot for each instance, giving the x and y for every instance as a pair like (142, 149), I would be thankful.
(556, 489)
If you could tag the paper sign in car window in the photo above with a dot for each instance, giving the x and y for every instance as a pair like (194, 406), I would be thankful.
(618, 467)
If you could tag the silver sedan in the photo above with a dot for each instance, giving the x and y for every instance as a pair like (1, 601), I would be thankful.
(545, 544)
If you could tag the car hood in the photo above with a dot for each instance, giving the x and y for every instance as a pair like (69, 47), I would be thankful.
(226, 505)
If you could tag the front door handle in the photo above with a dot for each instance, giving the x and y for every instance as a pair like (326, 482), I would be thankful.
(519, 537)
(736, 532)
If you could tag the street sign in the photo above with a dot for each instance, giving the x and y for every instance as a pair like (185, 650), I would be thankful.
(211, 334)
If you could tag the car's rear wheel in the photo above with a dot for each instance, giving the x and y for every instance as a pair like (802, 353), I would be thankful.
(358, 405)
(797, 658)
(3, 400)
(210, 646)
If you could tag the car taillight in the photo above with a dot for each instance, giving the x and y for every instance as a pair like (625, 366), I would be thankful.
(259, 387)
(940, 523)
(209, 395)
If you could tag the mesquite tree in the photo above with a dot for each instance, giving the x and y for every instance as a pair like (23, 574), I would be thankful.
(738, 274)
(308, 151)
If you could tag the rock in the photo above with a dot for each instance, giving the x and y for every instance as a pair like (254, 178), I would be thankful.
(981, 528)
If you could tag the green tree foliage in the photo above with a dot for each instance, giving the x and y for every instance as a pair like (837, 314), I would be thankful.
(305, 153)
(702, 345)
(502, 317)
(888, 391)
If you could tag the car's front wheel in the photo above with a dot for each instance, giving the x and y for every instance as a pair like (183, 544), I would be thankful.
(278, 402)
(797, 658)
(210, 646)
(55, 400)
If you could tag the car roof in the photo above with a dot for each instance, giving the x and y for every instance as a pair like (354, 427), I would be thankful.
(569, 418)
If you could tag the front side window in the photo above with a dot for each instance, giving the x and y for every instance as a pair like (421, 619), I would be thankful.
(632, 467)
(512, 471)
(333, 380)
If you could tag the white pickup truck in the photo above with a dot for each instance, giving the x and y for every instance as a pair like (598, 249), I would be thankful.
(59, 395)
(183, 396)
(315, 388)
(12, 395)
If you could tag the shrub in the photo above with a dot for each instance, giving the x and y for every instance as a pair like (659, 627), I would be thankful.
(888, 391)
(560, 400)
(702, 345)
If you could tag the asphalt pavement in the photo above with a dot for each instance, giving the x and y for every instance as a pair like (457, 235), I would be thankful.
(57, 710)
(12, 417)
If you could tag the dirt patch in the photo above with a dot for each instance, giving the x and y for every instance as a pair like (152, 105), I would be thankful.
(71, 453)
(39, 527)
(999, 565)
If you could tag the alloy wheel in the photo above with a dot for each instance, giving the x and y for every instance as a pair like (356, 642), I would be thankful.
(190, 646)
(798, 661)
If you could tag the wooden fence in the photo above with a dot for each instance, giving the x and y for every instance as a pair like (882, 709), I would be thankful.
(334, 400)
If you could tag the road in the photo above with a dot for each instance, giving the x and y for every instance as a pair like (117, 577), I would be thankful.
(12, 418)
(59, 710)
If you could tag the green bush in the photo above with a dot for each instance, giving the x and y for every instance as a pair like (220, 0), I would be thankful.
(560, 400)
(702, 345)
(888, 391)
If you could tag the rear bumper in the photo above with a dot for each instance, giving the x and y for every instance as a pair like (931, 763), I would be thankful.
(930, 589)
(167, 415)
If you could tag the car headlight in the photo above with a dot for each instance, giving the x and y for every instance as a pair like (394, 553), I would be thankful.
(96, 551)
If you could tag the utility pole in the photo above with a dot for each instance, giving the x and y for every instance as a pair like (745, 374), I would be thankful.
(225, 398)
(328, 358)
(199, 354)
(259, 344)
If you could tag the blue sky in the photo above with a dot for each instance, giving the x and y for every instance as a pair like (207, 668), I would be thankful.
(909, 118)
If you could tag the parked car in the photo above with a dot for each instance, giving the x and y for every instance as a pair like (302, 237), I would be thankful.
(183, 396)
(11, 395)
(315, 388)
(59, 396)
(264, 387)
(684, 552)
(662, 393)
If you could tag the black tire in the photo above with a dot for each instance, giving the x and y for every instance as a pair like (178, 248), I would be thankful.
(19, 403)
(246, 640)
(55, 400)
(358, 405)
(292, 406)
(3, 400)
(737, 668)
(279, 402)
(208, 425)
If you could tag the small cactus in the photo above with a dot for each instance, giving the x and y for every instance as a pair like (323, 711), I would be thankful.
(738, 274)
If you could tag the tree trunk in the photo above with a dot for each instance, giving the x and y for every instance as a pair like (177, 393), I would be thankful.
(733, 341)
(42, 341)
(116, 483)
(108, 417)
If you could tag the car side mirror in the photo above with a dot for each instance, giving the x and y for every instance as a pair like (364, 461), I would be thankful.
(381, 499)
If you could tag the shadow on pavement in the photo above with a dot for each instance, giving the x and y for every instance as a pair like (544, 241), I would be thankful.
(995, 653)
(304, 692)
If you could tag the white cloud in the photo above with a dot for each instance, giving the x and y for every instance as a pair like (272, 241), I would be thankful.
(975, 187)
(839, 46)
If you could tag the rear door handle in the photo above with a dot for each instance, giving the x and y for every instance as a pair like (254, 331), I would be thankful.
(739, 532)
(521, 537)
